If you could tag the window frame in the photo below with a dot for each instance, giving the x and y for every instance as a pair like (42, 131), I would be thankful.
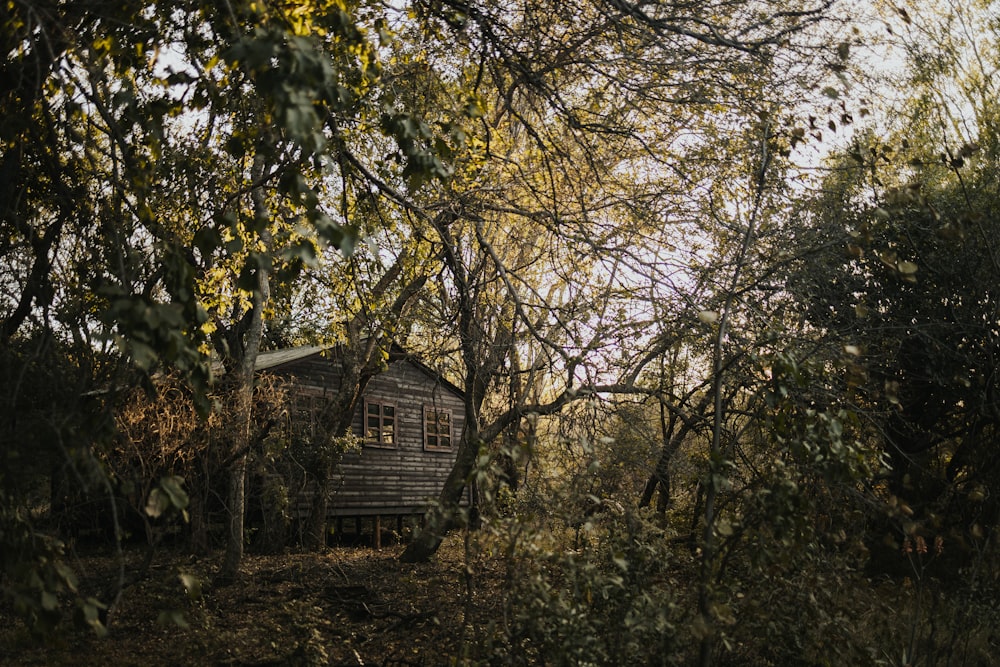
(379, 442)
(430, 411)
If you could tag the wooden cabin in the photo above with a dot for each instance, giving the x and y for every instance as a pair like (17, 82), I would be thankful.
(410, 420)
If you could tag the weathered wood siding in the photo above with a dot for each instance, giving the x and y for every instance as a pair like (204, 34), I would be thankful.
(397, 480)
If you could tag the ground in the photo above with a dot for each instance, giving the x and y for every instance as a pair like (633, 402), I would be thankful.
(345, 606)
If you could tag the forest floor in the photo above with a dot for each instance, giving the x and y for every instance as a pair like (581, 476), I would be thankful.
(344, 606)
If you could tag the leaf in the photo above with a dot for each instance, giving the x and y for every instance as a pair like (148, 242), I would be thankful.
(157, 503)
(474, 108)
(89, 610)
(888, 257)
(172, 486)
(173, 617)
(843, 50)
(302, 250)
(191, 584)
(49, 600)
(68, 576)
(143, 355)
(708, 316)
(207, 240)
(906, 267)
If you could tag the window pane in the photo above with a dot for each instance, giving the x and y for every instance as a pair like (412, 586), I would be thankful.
(437, 429)
(380, 424)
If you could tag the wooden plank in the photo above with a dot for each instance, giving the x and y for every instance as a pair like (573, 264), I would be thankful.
(375, 479)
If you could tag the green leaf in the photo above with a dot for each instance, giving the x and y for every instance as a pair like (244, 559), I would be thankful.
(89, 610)
(68, 576)
(172, 487)
(173, 617)
(301, 250)
(474, 108)
(49, 600)
(143, 356)
(191, 584)
(207, 240)
(157, 503)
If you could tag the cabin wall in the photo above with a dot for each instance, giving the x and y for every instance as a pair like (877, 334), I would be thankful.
(402, 479)
(379, 480)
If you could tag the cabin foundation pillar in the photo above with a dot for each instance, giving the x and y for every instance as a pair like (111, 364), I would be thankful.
(377, 532)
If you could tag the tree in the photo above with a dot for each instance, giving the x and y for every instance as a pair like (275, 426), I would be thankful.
(168, 165)
(907, 219)
(592, 124)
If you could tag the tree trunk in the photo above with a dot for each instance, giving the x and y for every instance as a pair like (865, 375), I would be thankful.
(660, 479)
(315, 537)
(198, 520)
(243, 387)
(442, 516)
(236, 510)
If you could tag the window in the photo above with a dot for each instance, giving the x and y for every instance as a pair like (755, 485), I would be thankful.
(380, 425)
(437, 429)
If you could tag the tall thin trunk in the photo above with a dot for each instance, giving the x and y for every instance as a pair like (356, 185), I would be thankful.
(236, 510)
(709, 542)
(661, 474)
(197, 508)
(243, 386)
(315, 537)
(441, 517)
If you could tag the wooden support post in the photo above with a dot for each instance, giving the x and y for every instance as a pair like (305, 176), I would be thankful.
(377, 530)
(399, 524)
(340, 528)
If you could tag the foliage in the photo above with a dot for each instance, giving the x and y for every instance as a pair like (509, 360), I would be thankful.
(36, 577)
(46, 461)
(608, 601)
(907, 297)
(594, 217)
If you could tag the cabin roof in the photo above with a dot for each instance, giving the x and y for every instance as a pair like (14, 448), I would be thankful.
(276, 358)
